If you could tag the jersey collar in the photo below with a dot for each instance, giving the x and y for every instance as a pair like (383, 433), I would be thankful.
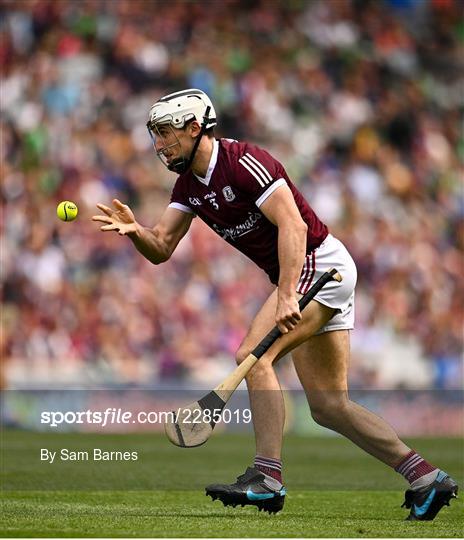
(212, 164)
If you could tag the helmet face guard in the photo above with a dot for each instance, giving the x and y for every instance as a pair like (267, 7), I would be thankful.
(178, 165)
(176, 111)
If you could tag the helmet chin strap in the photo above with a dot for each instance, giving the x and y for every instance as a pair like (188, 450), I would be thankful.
(181, 165)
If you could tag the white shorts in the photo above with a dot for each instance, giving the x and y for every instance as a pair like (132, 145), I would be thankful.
(338, 295)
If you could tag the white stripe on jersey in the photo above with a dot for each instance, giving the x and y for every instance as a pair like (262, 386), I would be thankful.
(261, 166)
(253, 169)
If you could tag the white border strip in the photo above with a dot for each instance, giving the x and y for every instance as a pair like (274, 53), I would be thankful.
(270, 190)
(181, 207)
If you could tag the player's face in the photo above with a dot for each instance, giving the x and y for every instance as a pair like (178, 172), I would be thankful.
(174, 146)
(167, 144)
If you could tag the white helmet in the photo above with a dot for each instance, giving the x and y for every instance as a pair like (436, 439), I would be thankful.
(176, 109)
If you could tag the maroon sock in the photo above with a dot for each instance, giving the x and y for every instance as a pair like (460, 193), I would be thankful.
(413, 467)
(271, 467)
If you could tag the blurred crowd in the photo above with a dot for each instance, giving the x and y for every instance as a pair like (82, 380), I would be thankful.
(361, 101)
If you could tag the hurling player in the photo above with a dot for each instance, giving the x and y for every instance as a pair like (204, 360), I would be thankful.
(245, 196)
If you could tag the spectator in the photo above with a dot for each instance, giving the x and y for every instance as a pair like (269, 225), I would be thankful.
(373, 95)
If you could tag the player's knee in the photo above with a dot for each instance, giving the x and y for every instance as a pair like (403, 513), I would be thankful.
(264, 364)
(329, 408)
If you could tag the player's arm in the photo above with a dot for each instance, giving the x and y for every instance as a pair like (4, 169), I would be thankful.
(281, 210)
(155, 244)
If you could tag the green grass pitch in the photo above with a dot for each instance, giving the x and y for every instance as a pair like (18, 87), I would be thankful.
(334, 490)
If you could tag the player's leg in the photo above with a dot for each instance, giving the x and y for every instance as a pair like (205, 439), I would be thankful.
(263, 387)
(322, 365)
(261, 485)
(266, 399)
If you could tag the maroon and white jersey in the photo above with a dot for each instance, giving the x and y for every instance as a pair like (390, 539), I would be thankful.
(240, 178)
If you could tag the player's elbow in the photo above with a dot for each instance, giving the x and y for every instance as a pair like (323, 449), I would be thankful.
(159, 259)
(297, 226)
(161, 256)
(293, 224)
(162, 247)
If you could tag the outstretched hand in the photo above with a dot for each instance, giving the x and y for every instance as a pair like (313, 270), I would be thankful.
(121, 219)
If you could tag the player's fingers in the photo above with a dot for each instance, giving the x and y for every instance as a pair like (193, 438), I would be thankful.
(118, 204)
(290, 325)
(282, 327)
(294, 319)
(291, 322)
(106, 209)
(111, 227)
(103, 219)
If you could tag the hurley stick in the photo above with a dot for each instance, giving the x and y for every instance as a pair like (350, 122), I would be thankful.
(193, 424)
